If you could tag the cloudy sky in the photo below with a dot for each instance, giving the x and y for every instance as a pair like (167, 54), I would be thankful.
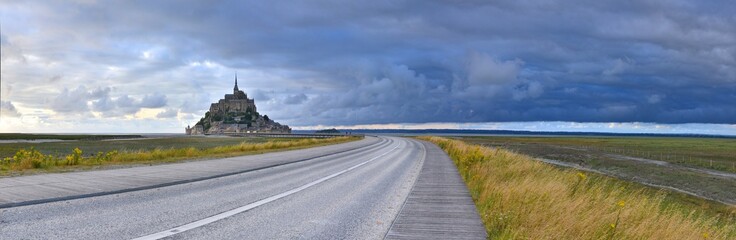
(155, 66)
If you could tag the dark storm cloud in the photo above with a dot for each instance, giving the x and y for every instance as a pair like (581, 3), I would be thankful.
(341, 62)
(8, 109)
(168, 113)
(295, 99)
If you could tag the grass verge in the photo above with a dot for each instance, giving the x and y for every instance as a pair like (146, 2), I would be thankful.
(633, 159)
(520, 198)
(33, 161)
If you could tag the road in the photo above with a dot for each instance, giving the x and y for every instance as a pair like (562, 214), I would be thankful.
(352, 194)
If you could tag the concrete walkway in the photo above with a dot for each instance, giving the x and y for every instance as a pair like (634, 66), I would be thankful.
(41, 188)
(439, 205)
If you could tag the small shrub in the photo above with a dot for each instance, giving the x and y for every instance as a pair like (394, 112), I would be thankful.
(33, 159)
(74, 158)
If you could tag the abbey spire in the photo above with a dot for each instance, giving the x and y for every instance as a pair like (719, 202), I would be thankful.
(235, 90)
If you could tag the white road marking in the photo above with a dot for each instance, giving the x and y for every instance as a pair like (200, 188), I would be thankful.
(208, 220)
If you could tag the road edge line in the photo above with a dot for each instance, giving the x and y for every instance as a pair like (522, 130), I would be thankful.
(238, 210)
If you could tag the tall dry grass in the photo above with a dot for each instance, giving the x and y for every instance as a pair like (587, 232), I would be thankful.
(520, 198)
(33, 159)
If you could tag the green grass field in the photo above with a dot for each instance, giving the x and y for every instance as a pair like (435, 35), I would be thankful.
(29, 158)
(143, 144)
(25, 136)
(712, 153)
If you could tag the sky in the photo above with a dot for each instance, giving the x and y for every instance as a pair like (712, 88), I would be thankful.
(155, 66)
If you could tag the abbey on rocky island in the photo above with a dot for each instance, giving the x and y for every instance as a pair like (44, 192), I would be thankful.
(236, 113)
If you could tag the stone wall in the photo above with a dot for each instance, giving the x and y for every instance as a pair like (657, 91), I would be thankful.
(235, 105)
(196, 130)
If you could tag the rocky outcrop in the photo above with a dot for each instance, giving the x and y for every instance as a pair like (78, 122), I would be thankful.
(236, 113)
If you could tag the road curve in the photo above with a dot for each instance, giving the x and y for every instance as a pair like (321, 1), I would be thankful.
(42, 188)
(351, 195)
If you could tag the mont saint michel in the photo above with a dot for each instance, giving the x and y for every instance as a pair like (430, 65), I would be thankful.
(236, 113)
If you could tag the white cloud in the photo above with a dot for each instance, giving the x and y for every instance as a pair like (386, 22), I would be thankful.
(76, 100)
(81, 100)
(488, 78)
(619, 66)
(484, 69)
(656, 98)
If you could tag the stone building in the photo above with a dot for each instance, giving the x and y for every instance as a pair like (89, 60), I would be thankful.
(236, 113)
(236, 102)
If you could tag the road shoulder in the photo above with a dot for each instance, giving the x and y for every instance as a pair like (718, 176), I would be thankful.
(439, 205)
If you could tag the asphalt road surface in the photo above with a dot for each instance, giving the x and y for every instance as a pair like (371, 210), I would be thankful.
(355, 194)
